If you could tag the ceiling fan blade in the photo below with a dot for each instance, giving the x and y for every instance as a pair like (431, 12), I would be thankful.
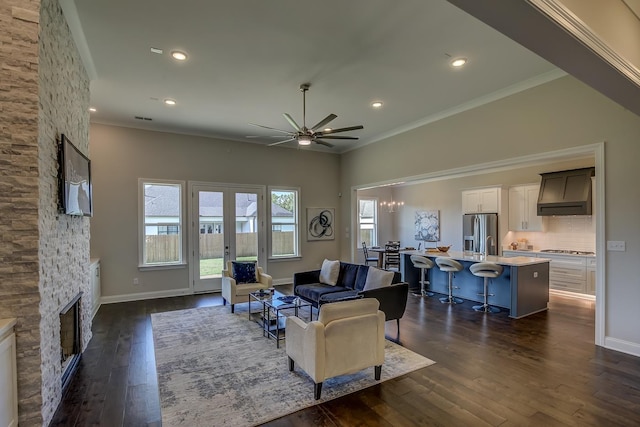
(267, 127)
(291, 121)
(281, 142)
(324, 121)
(325, 143)
(338, 137)
(342, 129)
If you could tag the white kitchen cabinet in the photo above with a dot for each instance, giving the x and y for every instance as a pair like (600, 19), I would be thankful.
(95, 285)
(8, 374)
(567, 273)
(481, 200)
(523, 201)
(572, 273)
(591, 276)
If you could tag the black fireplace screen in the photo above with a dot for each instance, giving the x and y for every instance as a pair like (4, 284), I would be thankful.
(70, 335)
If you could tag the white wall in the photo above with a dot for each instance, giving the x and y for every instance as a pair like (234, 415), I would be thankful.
(121, 155)
(561, 114)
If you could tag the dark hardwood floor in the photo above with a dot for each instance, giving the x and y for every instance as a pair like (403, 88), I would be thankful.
(543, 370)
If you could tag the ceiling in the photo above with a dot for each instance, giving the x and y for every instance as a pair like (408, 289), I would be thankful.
(247, 59)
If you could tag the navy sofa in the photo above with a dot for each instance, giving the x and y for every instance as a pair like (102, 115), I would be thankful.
(350, 285)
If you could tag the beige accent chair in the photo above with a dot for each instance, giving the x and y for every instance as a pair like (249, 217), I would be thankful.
(235, 293)
(347, 337)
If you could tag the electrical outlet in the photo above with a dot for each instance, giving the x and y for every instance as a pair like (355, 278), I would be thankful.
(136, 281)
(616, 245)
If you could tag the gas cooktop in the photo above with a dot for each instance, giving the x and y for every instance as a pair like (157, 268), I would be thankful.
(565, 251)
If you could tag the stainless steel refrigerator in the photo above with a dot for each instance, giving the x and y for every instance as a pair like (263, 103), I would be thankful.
(480, 231)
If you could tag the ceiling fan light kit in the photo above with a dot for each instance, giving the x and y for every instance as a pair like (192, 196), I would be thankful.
(303, 134)
(304, 140)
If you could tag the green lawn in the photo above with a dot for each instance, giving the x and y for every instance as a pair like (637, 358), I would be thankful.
(213, 266)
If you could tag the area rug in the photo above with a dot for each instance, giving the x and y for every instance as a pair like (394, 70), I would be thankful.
(216, 368)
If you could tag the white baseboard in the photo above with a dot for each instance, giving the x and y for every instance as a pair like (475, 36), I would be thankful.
(165, 294)
(145, 295)
(622, 346)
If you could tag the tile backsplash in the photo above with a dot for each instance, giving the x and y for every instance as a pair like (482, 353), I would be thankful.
(560, 232)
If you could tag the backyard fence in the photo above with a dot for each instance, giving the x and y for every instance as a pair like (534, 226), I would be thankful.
(164, 248)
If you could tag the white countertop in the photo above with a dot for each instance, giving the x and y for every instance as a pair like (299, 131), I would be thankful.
(6, 325)
(524, 252)
(463, 256)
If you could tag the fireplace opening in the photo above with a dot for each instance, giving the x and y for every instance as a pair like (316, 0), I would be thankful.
(70, 339)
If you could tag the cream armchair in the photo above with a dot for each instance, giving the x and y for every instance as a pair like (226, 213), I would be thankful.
(234, 293)
(347, 337)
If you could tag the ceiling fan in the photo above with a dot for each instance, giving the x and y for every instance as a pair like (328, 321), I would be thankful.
(305, 135)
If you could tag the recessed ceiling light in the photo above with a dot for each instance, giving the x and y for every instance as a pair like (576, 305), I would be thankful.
(178, 55)
(92, 109)
(376, 104)
(327, 129)
(156, 50)
(170, 101)
(458, 62)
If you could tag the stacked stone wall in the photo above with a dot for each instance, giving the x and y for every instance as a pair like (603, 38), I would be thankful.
(19, 193)
(44, 255)
(64, 240)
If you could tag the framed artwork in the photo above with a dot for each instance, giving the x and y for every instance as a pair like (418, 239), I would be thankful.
(427, 225)
(320, 224)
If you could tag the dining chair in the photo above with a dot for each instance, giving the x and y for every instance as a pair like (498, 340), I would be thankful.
(392, 255)
(367, 258)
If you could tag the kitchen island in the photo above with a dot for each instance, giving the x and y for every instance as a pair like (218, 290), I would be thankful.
(522, 288)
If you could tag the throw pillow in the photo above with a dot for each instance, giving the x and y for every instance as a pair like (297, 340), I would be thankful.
(329, 272)
(245, 271)
(347, 276)
(377, 278)
(361, 277)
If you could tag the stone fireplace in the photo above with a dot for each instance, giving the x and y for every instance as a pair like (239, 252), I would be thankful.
(70, 339)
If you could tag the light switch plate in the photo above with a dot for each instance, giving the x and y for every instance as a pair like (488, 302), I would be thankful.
(616, 245)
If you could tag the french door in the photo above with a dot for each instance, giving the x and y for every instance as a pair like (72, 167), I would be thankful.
(227, 223)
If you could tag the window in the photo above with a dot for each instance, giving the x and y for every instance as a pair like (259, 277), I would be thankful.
(368, 222)
(285, 223)
(161, 228)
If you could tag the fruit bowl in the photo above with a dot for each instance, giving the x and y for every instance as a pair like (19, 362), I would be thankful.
(443, 248)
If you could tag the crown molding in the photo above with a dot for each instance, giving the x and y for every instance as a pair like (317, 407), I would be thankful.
(474, 103)
(566, 19)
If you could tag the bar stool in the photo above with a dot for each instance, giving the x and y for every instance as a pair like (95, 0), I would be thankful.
(424, 264)
(451, 266)
(487, 270)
